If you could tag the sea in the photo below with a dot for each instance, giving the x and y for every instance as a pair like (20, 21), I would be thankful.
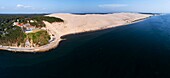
(138, 50)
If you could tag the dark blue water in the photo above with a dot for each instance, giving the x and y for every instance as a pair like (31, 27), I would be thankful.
(140, 50)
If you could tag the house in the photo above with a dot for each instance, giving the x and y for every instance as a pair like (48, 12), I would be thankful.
(17, 20)
(18, 24)
(29, 29)
(26, 25)
(43, 28)
(32, 21)
(15, 24)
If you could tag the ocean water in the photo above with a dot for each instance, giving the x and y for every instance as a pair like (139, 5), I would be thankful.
(140, 50)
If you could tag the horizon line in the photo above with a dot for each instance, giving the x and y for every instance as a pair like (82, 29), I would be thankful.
(71, 12)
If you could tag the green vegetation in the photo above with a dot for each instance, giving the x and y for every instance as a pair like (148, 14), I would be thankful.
(39, 38)
(38, 20)
(9, 34)
(48, 19)
(14, 35)
(37, 24)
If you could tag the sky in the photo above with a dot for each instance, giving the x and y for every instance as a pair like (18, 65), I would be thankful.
(83, 6)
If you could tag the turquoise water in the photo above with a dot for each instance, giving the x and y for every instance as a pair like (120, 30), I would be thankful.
(140, 50)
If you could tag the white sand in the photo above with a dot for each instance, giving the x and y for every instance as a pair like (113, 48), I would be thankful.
(82, 23)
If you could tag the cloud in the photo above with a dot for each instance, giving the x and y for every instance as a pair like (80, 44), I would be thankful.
(20, 6)
(2, 7)
(112, 5)
(23, 6)
(44, 8)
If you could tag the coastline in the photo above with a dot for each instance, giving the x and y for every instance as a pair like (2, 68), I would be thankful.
(61, 29)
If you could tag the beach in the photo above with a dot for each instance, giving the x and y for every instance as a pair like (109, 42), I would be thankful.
(74, 24)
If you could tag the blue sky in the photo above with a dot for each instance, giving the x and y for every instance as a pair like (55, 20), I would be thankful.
(81, 6)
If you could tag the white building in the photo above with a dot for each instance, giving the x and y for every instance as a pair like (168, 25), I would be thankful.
(32, 21)
(15, 23)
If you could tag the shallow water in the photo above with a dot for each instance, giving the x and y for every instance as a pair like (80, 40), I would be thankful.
(140, 50)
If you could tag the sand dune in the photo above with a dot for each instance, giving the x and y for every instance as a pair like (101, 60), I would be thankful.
(90, 22)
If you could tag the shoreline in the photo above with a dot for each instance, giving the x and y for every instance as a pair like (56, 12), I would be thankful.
(57, 35)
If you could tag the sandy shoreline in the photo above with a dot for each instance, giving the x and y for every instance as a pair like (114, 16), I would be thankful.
(80, 23)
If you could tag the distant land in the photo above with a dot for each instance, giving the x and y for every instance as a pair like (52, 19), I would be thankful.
(43, 32)
(115, 12)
